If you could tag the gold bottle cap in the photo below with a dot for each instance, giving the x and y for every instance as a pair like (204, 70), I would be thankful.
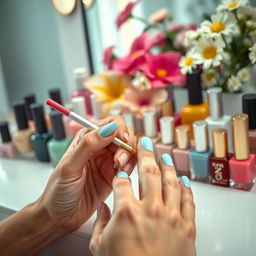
(240, 136)
(167, 109)
(220, 143)
(182, 136)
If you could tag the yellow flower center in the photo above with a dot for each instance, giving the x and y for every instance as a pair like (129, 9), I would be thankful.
(210, 52)
(233, 5)
(209, 77)
(188, 61)
(218, 27)
(136, 54)
(161, 72)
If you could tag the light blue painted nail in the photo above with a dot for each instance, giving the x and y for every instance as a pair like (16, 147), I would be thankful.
(146, 143)
(167, 159)
(122, 174)
(185, 181)
(108, 129)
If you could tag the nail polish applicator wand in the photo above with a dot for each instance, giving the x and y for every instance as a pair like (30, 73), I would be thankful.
(79, 119)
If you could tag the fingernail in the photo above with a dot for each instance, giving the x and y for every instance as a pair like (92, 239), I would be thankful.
(126, 136)
(185, 181)
(122, 159)
(122, 174)
(146, 143)
(108, 129)
(167, 159)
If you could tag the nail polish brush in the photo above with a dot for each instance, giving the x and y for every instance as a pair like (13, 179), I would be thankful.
(86, 123)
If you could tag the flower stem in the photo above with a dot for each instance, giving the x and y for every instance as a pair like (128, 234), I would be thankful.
(144, 21)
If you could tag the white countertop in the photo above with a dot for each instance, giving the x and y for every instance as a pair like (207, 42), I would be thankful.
(226, 218)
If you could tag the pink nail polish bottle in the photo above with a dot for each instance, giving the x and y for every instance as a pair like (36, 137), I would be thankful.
(97, 112)
(181, 152)
(7, 148)
(78, 106)
(242, 164)
(80, 76)
(167, 136)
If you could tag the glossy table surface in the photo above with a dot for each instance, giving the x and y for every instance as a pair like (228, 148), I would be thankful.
(226, 218)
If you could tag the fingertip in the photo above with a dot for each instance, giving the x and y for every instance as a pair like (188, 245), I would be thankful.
(185, 181)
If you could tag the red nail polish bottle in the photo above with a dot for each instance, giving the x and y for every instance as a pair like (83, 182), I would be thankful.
(219, 160)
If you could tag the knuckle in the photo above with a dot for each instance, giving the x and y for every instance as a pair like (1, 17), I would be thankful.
(148, 168)
(191, 230)
(124, 209)
(119, 183)
(174, 219)
(88, 140)
(171, 182)
(189, 202)
(156, 210)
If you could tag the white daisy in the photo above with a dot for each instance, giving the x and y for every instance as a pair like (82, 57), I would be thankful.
(252, 54)
(187, 63)
(234, 84)
(246, 13)
(244, 75)
(231, 4)
(192, 36)
(221, 23)
(209, 52)
(209, 78)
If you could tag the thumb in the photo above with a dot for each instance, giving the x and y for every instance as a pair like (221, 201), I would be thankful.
(100, 223)
(90, 143)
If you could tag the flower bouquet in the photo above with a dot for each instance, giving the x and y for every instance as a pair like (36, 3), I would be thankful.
(151, 64)
(223, 47)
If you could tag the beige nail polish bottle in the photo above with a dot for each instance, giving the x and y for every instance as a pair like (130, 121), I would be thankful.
(21, 137)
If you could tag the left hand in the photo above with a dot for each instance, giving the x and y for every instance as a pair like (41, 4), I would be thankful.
(83, 177)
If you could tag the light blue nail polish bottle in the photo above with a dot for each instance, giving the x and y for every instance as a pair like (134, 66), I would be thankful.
(199, 157)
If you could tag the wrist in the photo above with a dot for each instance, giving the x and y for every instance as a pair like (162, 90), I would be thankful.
(44, 221)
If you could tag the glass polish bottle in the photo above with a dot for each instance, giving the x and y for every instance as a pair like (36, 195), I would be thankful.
(196, 109)
(219, 160)
(150, 126)
(166, 144)
(181, 152)
(59, 143)
(199, 157)
(21, 137)
(78, 106)
(249, 108)
(242, 164)
(217, 119)
(41, 137)
(7, 148)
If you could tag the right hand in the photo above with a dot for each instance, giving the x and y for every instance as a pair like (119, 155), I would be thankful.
(161, 223)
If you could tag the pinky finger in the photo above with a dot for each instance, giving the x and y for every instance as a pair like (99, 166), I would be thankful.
(187, 204)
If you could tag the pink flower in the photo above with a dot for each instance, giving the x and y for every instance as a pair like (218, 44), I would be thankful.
(159, 16)
(179, 40)
(163, 69)
(108, 57)
(175, 27)
(158, 39)
(131, 63)
(138, 102)
(125, 14)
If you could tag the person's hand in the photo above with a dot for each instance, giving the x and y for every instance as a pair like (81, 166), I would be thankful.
(83, 177)
(161, 223)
